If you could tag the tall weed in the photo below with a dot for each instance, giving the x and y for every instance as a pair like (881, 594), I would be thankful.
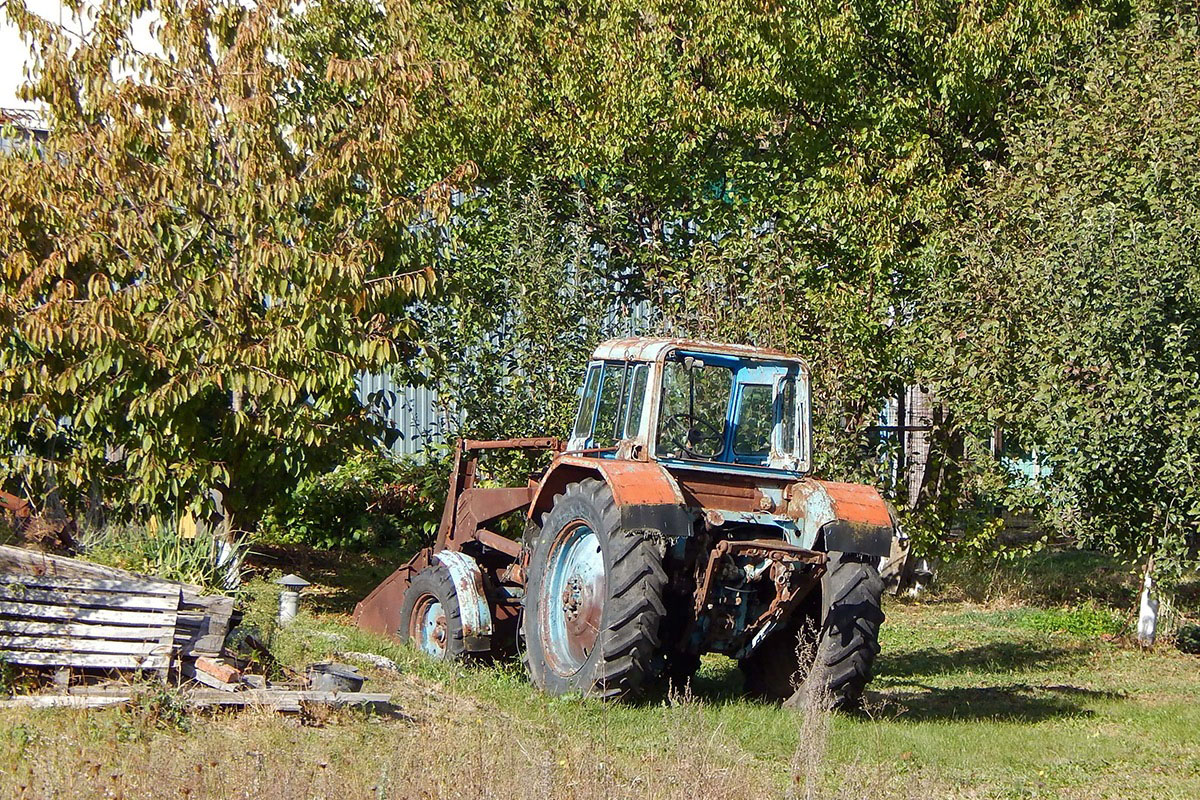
(163, 552)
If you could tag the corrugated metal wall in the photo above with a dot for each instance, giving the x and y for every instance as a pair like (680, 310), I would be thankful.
(412, 410)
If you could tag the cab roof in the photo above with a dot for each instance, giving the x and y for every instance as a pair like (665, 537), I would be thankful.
(644, 348)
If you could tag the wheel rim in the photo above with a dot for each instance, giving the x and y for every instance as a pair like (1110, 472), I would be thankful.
(572, 598)
(427, 627)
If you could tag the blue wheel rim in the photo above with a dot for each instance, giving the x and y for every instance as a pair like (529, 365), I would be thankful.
(428, 629)
(572, 598)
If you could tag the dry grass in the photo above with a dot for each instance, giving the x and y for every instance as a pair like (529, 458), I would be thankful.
(970, 702)
(443, 745)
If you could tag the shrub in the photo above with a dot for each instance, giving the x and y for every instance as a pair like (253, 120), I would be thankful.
(160, 550)
(370, 499)
(1188, 639)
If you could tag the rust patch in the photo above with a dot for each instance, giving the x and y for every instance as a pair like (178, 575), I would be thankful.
(379, 612)
(633, 483)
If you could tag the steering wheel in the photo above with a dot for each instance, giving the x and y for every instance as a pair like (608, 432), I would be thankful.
(694, 430)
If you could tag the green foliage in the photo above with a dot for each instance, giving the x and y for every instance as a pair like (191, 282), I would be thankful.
(1067, 309)
(1188, 639)
(160, 550)
(766, 173)
(217, 242)
(1046, 577)
(368, 500)
(1087, 621)
(152, 709)
(526, 298)
(259, 602)
(195, 269)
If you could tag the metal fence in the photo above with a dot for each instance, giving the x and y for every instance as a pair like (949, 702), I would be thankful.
(414, 411)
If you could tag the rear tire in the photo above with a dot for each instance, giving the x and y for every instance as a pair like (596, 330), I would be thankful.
(594, 598)
(430, 617)
(779, 665)
(825, 652)
(852, 593)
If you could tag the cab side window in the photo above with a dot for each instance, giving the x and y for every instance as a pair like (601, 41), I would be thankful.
(613, 396)
(635, 400)
(587, 405)
(612, 389)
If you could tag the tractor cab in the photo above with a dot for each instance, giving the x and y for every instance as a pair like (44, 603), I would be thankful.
(696, 405)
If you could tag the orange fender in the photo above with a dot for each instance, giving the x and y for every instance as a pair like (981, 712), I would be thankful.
(648, 496)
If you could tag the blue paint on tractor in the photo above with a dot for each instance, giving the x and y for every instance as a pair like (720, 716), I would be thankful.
(431, 629)
(468, 587)
(573, 602)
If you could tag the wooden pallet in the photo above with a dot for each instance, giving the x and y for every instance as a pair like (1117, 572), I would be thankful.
(105, 623)
(281, 700)
(201, 621)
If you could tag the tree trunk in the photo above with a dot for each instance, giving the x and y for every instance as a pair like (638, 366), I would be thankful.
(1147, 626)
(940, 480)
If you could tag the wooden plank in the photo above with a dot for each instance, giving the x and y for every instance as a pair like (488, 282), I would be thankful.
(78, 645)
(79, 630)
(64, 701)
(17, 559)
(132, 586)
(97, 660)
(277, 699)
(209, 637)
(23, 594)
(284, 700)
(102, 690)
(115, 616)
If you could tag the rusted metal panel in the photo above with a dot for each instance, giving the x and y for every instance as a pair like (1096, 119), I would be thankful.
(469, 508)
(767, 549)
(854, 518)
(478, 507)
(497, 542)
(632, 482)
(725, 492)
(379, 611)
(855, 502)
(18, 507)
(527, 443)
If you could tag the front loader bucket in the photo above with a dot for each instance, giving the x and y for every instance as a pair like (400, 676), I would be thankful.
(379, 612)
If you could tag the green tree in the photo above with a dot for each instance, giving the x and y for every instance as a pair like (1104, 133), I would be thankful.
(773, 169)
(1068, 312)
(526, 297)
(194, 267)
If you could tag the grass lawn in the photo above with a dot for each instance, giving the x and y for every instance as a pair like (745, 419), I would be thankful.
(972, 700)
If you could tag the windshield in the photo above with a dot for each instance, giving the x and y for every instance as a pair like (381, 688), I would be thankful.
(694, 406)
(731, 410)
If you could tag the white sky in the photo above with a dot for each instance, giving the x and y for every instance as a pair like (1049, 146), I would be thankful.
(14, 52)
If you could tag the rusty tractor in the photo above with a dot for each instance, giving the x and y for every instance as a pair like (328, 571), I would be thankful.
(679, 518)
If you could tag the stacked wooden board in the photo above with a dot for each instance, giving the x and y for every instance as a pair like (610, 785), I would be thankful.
(57, 611)
(87, 622)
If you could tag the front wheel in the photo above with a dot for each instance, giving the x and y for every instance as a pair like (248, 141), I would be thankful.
(430, 617)
(593, 603)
